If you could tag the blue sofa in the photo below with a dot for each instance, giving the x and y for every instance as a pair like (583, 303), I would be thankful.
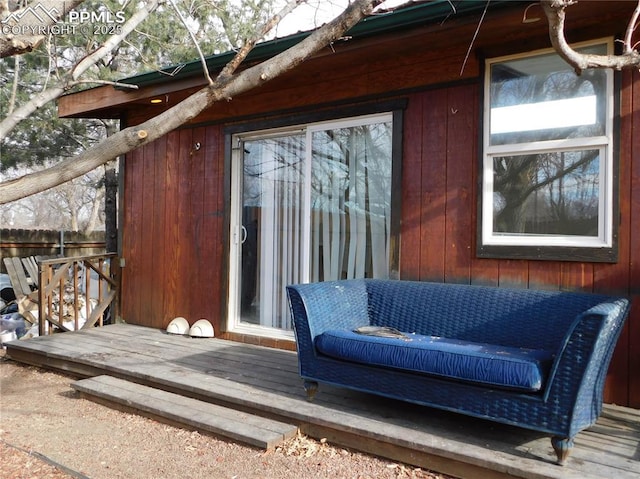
(534, 359)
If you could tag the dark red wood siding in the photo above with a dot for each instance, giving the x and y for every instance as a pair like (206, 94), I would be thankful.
(173, 234)
(173, 222)
(440, 206)
(174, 230)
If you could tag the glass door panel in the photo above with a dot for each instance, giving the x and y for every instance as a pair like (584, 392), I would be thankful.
(271, 228)
(351, 202)
(312, 204)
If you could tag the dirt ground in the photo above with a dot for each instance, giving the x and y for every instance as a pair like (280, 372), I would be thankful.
(47, 431)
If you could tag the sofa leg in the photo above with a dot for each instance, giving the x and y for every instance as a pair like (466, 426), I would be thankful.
(312, 388)
(562, 446)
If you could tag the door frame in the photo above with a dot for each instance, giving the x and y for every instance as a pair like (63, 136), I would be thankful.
(277, 127)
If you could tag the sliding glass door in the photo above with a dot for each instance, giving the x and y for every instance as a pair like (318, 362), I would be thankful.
(311, 203)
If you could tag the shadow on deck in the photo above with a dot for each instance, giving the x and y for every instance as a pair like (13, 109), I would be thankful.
(265, 382)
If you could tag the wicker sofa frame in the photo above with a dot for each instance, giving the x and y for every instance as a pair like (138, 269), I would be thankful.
(581, 329)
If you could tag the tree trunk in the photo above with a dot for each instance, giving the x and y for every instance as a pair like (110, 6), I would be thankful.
(110, 207)
(90, 226)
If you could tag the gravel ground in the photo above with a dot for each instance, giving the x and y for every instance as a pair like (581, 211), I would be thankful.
(48, 432)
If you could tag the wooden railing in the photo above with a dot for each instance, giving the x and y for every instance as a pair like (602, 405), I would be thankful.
(77, 292)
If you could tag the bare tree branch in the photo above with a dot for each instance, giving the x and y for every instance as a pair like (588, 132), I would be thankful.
(21, 34)
(475, 35)
(633, 22)
(106, 82)
(71, 79)
(14, 87)
(129, 26)
(555, 12)
(233, 65)
(195, 42)
(223, 89)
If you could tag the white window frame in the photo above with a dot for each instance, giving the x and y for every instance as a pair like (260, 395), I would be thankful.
(234, 322)
(605, 144)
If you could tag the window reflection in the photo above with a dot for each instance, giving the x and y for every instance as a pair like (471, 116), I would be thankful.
(554, 193)
(541, 98)
(351, 202)
(324, 220)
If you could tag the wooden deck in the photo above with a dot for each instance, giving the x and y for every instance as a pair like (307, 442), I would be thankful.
(265, 382)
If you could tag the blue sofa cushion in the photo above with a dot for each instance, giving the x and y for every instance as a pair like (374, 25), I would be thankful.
(506, 367)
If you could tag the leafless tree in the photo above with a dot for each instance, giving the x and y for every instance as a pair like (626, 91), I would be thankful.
(555, 10)
(231, 82)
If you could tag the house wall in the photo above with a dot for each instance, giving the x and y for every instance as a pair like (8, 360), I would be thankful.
(175, 229)
(439, 218)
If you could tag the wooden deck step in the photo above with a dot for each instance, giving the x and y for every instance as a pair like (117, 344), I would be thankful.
(221, 421)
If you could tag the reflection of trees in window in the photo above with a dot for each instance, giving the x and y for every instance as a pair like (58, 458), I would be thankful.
(335, 153)
(351, 201)
(532, 89)
(552, 192)
(547, 193)
(352, 163)
(269, 162)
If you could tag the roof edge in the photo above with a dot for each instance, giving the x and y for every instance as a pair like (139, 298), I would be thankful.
(413, 15)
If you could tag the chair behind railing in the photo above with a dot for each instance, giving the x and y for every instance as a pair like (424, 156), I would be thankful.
(77, 292)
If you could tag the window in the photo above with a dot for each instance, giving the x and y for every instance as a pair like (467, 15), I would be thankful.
(311, 202)
(548, 170)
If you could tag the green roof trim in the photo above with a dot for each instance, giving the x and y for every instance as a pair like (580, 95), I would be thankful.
(413, 15)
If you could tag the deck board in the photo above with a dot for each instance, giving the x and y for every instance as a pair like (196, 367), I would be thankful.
(246, 428)
(265, 382)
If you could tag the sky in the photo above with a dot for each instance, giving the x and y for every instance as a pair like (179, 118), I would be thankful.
(318, 12)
